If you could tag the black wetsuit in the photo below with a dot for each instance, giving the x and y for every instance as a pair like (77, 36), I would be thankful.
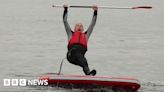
(76, 53)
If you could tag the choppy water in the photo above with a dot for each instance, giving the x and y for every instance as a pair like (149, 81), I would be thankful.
(124, 42)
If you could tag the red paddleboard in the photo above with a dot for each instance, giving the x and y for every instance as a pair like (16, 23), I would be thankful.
(85, 82)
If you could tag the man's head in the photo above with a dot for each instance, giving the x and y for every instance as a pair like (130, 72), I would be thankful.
(79, 27)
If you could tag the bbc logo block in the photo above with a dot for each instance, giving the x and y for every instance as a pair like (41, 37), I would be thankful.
(14, 82)
(6, 82)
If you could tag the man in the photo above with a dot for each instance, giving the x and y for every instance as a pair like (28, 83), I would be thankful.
(77, 45)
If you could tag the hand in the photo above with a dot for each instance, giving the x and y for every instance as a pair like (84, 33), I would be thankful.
(65, 6)
(94, 7)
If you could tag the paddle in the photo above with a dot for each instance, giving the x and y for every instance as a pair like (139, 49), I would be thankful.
(104, 7)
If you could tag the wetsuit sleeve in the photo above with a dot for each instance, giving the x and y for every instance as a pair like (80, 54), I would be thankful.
(90, 29)
(67, 26)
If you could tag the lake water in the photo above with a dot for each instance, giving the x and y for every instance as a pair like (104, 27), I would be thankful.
(124, 43)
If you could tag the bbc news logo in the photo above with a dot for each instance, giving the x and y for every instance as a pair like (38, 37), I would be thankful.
(24, 82)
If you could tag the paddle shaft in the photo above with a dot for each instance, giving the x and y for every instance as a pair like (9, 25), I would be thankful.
(105, 7)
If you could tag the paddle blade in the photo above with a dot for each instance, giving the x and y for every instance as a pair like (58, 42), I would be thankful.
(142, 7)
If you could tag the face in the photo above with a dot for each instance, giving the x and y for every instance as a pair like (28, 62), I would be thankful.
(79, 27)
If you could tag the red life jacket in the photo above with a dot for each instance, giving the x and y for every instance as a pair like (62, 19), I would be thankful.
(78, 38)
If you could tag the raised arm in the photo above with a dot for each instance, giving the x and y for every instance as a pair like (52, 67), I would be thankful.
(90, 29)
(67, 26)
